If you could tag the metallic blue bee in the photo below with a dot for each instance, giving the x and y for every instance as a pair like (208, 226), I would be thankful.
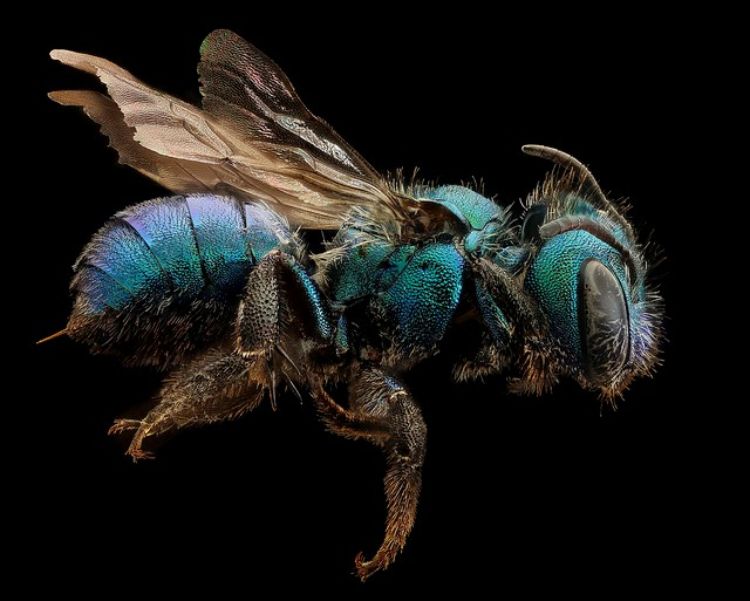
(215, 286)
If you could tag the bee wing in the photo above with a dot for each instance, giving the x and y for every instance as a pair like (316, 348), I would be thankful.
(253, 137)
(174, 174)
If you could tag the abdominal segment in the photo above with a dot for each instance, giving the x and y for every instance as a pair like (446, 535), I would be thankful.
(164, 277)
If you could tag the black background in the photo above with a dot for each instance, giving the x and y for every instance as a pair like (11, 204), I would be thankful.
(518, 492)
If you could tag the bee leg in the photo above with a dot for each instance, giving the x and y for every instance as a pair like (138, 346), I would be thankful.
(123, 425)
(384, 413)
(282, 316)
(282, 306)
(486, 360)
(354, 425)
(215, 387)
(497, 285)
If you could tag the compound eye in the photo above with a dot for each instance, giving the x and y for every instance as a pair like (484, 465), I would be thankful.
(604, 323)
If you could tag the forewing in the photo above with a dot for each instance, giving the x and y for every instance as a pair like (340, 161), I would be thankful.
(246, 90)
(253, 137)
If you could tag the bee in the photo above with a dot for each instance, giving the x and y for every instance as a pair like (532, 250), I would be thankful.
(214, 286)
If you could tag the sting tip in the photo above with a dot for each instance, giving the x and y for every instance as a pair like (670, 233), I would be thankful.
(59, 334)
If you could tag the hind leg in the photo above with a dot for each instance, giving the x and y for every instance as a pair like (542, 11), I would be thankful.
(210, 389)
(282, 316)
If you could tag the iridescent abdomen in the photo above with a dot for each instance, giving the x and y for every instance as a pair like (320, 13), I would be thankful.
(163, 277)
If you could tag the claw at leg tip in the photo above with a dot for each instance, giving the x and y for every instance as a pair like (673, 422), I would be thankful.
(363, 567)
(138, 454)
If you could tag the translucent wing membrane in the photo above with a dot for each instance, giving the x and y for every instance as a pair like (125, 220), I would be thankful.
(253, 138)
(245, 89)
(172, 173)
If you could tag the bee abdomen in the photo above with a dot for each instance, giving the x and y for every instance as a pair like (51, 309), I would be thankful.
(163, 277)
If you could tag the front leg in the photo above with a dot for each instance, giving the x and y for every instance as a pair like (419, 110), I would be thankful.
(384, 413)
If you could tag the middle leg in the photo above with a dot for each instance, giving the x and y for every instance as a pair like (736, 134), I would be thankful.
(384, 413)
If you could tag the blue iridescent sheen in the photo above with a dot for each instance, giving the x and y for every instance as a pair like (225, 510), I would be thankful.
(355, 274)
(484, 220)
(166, 228)
(553, 280)
(219, 225)
(395, 264)
(182, 248)
(121, 253)
(264, 231)
(217, 292)
(341, 339)
(424, 297)
(466, 204)
(418, 288)
(320, 321)
(100, 290)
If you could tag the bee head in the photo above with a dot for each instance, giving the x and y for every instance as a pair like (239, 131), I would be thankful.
(588, 276)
